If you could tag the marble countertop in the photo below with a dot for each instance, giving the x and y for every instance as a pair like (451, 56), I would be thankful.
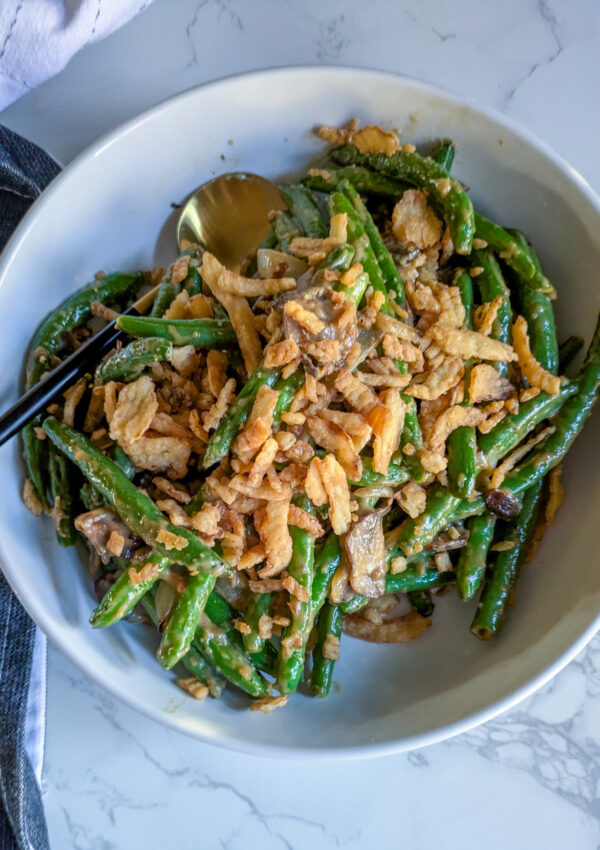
(114, 780)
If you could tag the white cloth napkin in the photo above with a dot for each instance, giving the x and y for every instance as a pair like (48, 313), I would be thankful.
(39, 37)
(35, 719)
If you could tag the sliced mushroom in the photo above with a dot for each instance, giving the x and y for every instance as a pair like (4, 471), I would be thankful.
(365, 547)
(98, 525)
(320, 301)
(104, 583)
(502, 504)
(445, 543)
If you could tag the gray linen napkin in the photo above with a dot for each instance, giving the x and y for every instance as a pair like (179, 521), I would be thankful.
(25, 171)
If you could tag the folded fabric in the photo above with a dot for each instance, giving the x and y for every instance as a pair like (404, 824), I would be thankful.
(25, 170)
(39, 37)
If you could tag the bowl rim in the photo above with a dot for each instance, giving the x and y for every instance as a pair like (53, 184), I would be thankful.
(56, 634)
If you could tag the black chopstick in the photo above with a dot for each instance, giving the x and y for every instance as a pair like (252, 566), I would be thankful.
(83, 360)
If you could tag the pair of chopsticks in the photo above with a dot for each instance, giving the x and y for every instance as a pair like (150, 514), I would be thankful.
(83, 360)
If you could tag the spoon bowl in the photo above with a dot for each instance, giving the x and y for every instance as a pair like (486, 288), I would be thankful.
(229, 216)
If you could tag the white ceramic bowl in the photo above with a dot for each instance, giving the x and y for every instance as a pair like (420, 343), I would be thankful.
(108, 210)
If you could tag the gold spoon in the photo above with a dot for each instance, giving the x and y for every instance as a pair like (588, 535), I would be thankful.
(229, 216)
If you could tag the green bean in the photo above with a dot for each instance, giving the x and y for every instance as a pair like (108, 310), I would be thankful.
(304, 211)
(35, 455)
(167, 293)
(538, 312)
(514, 428)
(426, 174)
(512, 253)
(214, 646)
(366, 181)
(287, 389)
(239, 410)
(327, 560)
(444, 155)
(329, 626)
(568, 351)
(421, 602)
(417, 532)
(259, 606)
(221, 314)
(411, 434)
(462, 442)
(125, 594)
(46, 342)
(218, 611)
(442, 507)
(61, 491)
(128, 363)
(193, 282)
(503, 572)
(472, 560)
(73, 312)
(567, 423)
(338, 203)
(491, 284)
(122, 460)
(413, 578)
(196, 664)
(397, 474)
(341, 258)
(90, 497)
(537, 309)
(354, 293)
(201, 333)
(196, 502)
(218, 627)
(286, 230)
(293, 642)
(180, 628)
(134, 506)
(228, 658)
(391, 277)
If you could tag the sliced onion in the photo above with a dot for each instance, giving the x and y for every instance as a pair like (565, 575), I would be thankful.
(374, 491)
(165, 597)
(277, 264)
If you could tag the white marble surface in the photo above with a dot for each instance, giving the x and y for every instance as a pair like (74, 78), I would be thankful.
(116, 781)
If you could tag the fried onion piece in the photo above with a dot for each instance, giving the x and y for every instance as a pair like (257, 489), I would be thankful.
(259, 425)
(486, 384)
(532, 370)
(238, 309)
(275, 535)
(302, 519)
(457, 416)
(436, 382)
(405, 628)
(485, 315)
(135, 408)
(461, 342)
(370, 139)
(313, 484)
(387, 440)
(414, 221)
(333, 438)
(338, 494)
